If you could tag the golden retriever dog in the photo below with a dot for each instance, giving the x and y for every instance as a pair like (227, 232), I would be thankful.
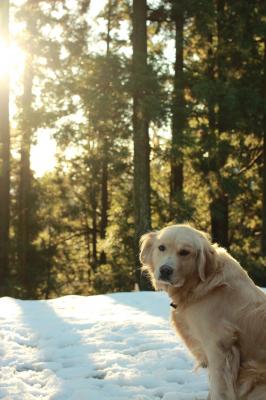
(218, 311)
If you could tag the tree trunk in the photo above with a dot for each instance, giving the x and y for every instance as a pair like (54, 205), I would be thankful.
(94, 230)
(221, 45)
(178, 116)
(104, 210)
(4, 155)
(263, 240)
(49, 253)
(87, 234)
(219, 204)
(219, 220)
(211, 95)
(25, 178)
(141, 158)
(105, 145)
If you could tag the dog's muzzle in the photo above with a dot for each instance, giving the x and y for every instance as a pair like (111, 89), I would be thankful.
(166, 273)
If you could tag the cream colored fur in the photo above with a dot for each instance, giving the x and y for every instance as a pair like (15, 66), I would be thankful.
(220, 314)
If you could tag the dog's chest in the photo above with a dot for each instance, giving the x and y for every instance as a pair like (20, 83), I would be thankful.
(190, 339)
(184, 328)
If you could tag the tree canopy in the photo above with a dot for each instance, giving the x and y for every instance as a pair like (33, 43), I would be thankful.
(158, 113)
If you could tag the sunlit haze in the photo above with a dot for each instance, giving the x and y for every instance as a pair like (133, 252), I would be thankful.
(43, 153)
(4, 65)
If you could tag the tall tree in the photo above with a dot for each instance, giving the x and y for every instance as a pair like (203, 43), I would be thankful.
(4, 151)
(178, 113)
(27, 224)
(25, 181)
(140, 130)
(219, 204)
(214, 130)
(105, 141)
(263, 242)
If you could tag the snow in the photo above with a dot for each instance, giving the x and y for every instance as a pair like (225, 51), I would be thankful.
(107, 347)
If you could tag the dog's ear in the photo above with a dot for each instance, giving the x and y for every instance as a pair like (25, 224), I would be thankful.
(146, 243)
(207, 260)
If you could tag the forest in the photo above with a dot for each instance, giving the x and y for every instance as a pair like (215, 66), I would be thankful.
(156, 114)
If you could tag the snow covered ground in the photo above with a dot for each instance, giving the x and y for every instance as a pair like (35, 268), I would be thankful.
(111, 347)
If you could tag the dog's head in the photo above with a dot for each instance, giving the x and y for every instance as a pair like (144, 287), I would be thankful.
(176, 254)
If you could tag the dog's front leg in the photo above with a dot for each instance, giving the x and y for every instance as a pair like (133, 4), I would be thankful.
(223, 370)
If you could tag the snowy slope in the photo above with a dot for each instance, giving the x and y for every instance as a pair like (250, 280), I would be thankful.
(112, 347)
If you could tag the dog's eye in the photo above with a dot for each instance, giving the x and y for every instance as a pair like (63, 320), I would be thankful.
(184, 253)
(161, 247)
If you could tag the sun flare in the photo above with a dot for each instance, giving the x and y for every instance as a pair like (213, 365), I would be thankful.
(12, 60)
(5, 59)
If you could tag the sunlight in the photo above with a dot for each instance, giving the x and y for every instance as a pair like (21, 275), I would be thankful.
(12, 59)
(5, 59)
(43, 154)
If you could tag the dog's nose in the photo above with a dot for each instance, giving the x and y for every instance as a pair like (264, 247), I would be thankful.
(165, 272)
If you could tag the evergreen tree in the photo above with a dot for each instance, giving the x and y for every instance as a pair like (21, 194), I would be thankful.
(263, 241)
(25, 179)
(178, 116)
(4, 153)
(140, 129)
(198, 118)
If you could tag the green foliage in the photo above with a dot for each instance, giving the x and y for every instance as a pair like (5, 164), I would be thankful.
(82, 92)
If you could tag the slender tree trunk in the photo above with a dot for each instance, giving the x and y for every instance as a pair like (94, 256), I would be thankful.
(105, 145)
(141, 159)
(219, 220)
(25, 178)
(178, 115)
(221, 45)
(211, 95)
(104, 210)
(94, 231)
(4, 155)
(87, 235)
(50, 251)
(263, 241)
(48, 279)
(219, 204)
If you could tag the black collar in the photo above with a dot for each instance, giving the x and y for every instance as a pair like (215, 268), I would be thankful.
(173, 305)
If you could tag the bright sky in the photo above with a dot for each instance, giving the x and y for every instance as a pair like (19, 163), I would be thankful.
(43, 153)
